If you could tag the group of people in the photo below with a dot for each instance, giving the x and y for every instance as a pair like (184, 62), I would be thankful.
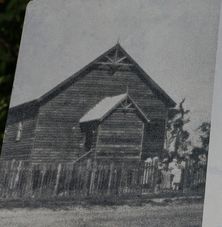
(169, 174)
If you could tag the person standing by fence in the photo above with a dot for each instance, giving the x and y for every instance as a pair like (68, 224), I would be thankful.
(163, 181)
(165, 176)
(176, 168)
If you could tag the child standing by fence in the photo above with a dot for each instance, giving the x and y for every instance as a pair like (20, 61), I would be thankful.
(176, 172)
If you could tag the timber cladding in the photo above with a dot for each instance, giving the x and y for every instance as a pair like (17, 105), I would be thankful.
(120, 135)
(54, 134)
(51, 131)
(12, 148)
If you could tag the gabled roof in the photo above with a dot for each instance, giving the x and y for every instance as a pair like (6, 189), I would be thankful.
(105, 107)
(126, 59)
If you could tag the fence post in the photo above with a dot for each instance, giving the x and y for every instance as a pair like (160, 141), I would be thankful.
(185, 176)
(121, 184)
(68, 179)
(87, 177)
(141, 176)
(12, 174)
(19, 168)
(110, 177)
(42, 180)
(92, 181)
(57, 178)
(28, 167)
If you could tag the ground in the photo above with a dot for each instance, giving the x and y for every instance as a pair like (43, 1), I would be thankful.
(152, 215)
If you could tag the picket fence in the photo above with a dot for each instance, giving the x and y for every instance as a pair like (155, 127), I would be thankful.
(21, 179)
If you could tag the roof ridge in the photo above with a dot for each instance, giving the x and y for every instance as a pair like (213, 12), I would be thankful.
(75, 76)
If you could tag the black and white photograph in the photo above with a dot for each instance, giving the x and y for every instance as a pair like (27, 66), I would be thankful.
(110, 114)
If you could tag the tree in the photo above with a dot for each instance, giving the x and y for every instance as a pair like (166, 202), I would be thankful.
(204, 130)
(204, 136)
(11, 20)
(177, 138)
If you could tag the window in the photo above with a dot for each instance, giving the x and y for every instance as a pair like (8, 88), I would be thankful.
(19, 131)
(86, 140)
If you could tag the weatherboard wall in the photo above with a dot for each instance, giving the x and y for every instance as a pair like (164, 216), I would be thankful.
(58, 135)
(19, 149)
(120, 135)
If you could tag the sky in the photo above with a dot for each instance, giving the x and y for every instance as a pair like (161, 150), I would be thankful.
(174, 41)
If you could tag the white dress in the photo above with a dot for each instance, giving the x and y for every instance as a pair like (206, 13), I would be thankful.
(176, 172)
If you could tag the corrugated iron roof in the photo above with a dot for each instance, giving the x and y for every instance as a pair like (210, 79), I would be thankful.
(106, 106)
(102, 108)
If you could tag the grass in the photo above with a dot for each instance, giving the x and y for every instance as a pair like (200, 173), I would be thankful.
(173, 214)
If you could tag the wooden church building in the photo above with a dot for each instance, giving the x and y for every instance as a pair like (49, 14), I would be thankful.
(111, 109)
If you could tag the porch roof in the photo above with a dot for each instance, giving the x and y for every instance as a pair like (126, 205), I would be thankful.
(106, 106)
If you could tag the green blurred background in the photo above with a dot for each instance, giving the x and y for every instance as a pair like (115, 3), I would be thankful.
(11, 21)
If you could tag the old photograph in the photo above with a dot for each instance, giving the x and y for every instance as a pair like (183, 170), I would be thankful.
(110, 115)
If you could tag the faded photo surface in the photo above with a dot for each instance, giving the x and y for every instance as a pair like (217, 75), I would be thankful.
(110, 114)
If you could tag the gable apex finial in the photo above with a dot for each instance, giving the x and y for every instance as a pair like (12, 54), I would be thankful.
(118, 41)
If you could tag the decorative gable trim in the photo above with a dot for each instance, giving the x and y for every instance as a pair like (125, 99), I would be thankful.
(106, 106)
(114, 58)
